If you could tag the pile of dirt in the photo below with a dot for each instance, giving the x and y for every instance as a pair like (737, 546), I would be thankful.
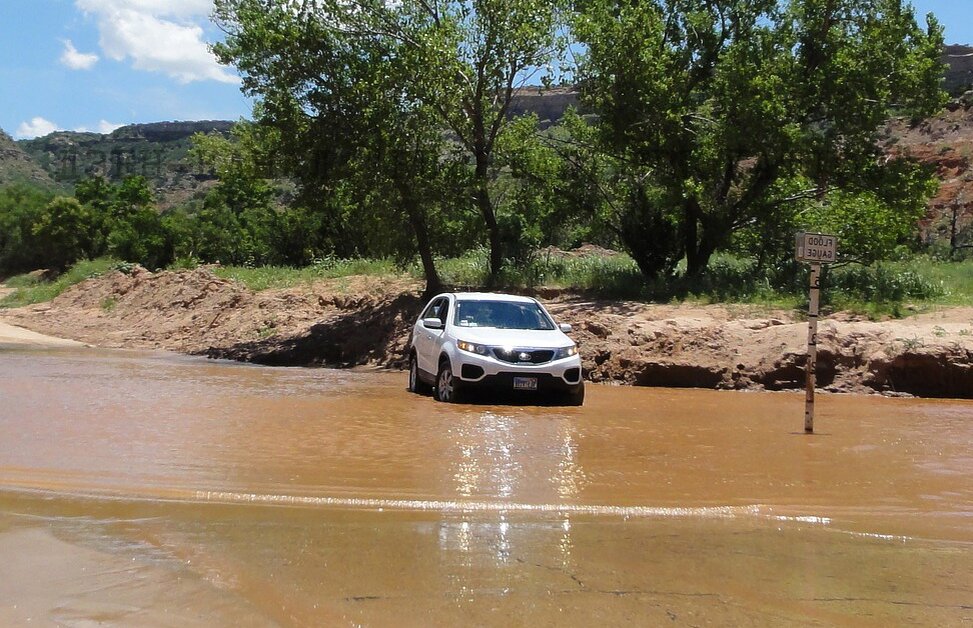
(367, 321)
(348, 322)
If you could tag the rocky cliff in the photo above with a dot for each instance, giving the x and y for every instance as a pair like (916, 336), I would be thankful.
(157, 151)
(548, 104)
(16, 166)
(959, 76)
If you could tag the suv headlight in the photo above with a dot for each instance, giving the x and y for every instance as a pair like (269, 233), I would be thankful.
(565, 352)
(473, 347)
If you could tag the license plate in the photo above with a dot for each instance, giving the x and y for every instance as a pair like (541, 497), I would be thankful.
(525, 383)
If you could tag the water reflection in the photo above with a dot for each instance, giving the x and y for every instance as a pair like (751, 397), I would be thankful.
(512, 456)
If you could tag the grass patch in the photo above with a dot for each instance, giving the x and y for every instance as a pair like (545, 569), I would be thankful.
(30, 290)
(887, 288)
(615, 275)
(280, 277)
(878, 291)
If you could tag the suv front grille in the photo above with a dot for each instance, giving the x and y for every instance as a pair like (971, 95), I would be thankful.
(524, 356)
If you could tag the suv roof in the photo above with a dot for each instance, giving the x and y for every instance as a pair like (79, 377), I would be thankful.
(491, 296)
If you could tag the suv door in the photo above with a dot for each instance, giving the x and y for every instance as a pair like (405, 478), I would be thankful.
(439, 338)
(427, 340)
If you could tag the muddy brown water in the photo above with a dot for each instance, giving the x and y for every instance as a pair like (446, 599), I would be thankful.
(144, 489)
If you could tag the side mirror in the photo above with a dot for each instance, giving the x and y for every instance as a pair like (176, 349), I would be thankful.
(432, 323)
(565, 327)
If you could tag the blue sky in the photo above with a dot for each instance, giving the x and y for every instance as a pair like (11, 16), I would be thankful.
(99, 64)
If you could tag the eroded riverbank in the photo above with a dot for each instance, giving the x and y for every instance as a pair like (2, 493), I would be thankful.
(366, 321)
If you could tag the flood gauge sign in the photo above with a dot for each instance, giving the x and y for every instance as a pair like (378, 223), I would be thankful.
(816, 248)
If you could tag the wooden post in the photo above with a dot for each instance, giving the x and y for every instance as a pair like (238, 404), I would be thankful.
(812, 347)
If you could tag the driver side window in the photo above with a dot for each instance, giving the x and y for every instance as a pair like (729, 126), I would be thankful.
(444, 310)
(437, 309)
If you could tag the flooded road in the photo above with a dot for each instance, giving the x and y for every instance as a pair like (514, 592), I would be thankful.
(144, 489)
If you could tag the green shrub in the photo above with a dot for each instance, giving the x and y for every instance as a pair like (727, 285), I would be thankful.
(30, 290)
(884, 283)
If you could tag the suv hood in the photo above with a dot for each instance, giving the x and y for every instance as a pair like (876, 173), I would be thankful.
(515, 338)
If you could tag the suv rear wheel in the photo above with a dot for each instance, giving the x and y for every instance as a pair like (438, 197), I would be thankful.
(416, 384)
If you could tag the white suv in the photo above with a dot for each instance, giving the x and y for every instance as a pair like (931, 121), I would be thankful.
(501, 341)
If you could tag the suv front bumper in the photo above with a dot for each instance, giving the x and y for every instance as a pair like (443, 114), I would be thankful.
(562, 375)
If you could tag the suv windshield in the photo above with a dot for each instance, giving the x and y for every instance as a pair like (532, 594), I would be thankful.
(502, 315)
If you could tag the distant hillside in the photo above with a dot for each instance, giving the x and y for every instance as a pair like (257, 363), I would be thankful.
(548, 104)
(16, 166)
(157, 151)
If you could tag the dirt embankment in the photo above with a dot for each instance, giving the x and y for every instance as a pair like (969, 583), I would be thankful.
(366, 321)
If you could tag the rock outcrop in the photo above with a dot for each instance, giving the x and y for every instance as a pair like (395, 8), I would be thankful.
(959, 75)
(16, 166)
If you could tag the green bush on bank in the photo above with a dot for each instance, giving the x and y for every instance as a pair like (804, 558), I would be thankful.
(877, 290)
(30, 289)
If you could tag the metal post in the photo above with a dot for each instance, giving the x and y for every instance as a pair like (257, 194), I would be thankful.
(812, 347)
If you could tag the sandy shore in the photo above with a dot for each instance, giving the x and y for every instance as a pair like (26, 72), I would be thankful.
(11, 334)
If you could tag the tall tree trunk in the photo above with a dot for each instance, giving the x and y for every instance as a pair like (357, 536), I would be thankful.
(485, 205)
(417, 220)
(691, 217)
(711, 233)
(697, 262)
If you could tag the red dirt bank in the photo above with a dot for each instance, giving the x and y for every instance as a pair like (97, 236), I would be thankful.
(366, 321)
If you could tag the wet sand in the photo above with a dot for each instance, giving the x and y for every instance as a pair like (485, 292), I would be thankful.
(48, 581)
(151, 489)
(11, 334)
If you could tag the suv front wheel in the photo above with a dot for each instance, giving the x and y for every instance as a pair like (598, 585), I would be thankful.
(447, 386)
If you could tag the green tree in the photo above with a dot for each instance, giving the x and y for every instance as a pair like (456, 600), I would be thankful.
(726, 115)
(370, 88)
(20, 206)
(366, 157)
(125, 221)
(133, 193)
(468, 59)
(238, 221)
(143, 237)
(63, 232)
(96, 192)
(549, 189)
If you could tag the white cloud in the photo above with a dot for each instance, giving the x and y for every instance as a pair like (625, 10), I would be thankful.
(158, 36)
(104, 126)
(174, 8)
(77, 60)
(36, 127)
